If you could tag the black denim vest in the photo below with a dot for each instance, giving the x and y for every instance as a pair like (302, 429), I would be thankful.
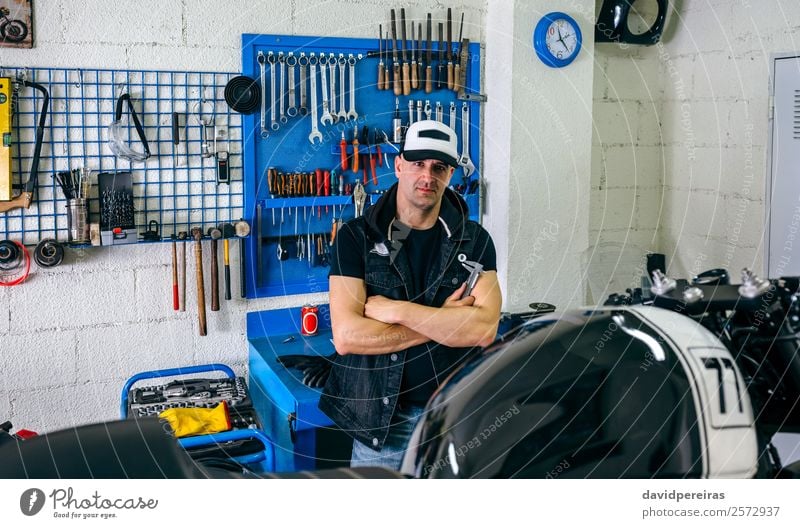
(363, 390)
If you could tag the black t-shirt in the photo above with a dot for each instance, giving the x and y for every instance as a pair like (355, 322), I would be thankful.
(423, 250)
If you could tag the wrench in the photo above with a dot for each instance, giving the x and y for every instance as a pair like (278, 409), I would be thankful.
(303, 62)
(315, 134)
(410, 112)
(427, 109)
(326, 113)
(262, 65)
(273, 122)
(332, 76)
(291, 61)
(419, 110)
(342, 114)
(282, 62)
(351, 61)
(452, 115)
(439, 112)
(464, 161)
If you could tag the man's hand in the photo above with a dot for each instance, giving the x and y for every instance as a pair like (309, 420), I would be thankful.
(381, 309)
(455, 300)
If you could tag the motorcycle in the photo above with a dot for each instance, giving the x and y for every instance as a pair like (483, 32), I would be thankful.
(689, 379)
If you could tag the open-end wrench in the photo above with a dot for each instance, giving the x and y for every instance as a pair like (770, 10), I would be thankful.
(342, 113)
(427, 109)
(332, 78)
(282, 63)
(464, 161)
(327, 118)
(439, 111)
(273, 121)
(262, 66)
(303, 62)
(351, 61)
(291, 62)
(315, 134)
(453, 115)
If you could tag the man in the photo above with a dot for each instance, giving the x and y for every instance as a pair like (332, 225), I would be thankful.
(399, 323)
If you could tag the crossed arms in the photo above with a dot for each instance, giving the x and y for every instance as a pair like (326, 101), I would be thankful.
(378, 325)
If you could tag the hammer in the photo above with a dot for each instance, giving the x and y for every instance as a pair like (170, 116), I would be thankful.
(215, 235)
(197, 234)
(242, 230)
(227, 233)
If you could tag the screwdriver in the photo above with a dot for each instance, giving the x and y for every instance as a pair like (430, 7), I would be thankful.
(355, 151)
(327, 185)
(343, 150)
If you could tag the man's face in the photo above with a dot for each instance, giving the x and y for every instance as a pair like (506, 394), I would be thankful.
(422, 183)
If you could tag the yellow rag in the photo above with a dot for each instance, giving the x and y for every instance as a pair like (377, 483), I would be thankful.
(197, 420)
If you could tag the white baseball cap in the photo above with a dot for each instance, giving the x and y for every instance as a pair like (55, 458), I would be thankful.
(430, 140)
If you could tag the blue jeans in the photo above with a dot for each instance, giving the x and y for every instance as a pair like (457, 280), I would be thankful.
(394, 449)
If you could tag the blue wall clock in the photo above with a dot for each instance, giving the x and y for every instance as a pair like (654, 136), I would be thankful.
(557, 39)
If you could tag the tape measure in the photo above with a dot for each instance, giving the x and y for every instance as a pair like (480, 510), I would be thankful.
(5, 139)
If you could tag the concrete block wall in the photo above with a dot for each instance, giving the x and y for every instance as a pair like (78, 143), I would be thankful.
(627, 168)
(680, 142)
(70, 336)
(715, 130)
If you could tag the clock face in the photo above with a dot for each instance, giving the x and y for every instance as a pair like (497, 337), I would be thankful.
(561, 39)
(557, 39)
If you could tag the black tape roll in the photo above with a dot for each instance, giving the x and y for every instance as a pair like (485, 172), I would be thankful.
(10, 255)
(49, 253)
(243, 94)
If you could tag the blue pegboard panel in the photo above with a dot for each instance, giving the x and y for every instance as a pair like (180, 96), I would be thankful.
(176, 186)
(286, 222)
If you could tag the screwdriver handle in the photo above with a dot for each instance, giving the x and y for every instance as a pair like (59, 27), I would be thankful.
(414, 78)
(355, 155)
(406, 80)
(343, 149)
(380, 77)
(176, 138)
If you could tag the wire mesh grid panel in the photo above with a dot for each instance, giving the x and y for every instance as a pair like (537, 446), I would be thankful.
(178, 185)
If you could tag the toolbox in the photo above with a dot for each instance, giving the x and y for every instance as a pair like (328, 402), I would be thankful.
(305, 438)
(245, 442)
